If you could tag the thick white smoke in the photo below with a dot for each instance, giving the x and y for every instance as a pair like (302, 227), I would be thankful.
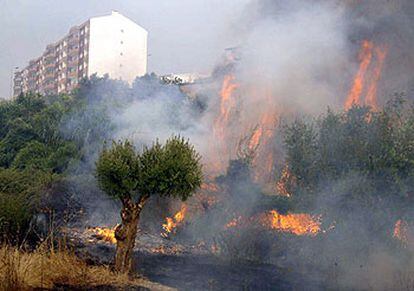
(296, 57)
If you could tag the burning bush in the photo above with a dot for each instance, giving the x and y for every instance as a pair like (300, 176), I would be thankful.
(356, 169)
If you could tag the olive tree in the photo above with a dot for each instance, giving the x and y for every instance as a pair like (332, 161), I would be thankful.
(172, 169)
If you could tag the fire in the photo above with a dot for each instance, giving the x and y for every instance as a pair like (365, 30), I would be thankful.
(262, 140)
(282, 186)
(371, 98)
(372, 59)
(104, 234)
(227, 100)
(215, 248)
(172, 222)
(401, 231)
(295, 223)
(228, 104)
(365, 57)
(254, 142)
(234, 222)
(299, 224)
(231, 124)
(264, 130)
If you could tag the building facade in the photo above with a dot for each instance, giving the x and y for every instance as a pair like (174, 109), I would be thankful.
(111, 44)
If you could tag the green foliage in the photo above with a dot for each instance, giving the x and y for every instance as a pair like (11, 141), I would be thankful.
(300, 143)
(32, 151)
(15, 215)
(117, 170)
(353, 162)
(172, 169)
(34, 154)
(50, 135)
(31, 134)
(19, 194)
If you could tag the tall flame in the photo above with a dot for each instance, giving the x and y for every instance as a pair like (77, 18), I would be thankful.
(285, 181)
(227, 105)
(371, 98)
(172, 222)
(372, 60)
(221, 124)
(365, 57)
(262, 139)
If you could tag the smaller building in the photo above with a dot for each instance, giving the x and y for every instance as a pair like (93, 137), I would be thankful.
(182, 79)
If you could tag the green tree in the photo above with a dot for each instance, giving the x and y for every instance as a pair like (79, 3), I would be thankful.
(19, 196)
(353, 163)
(300, 142)
(172, 169)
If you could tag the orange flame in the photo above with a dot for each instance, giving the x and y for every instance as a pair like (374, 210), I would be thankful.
(365, 56)
(282, 186)
(226, 93)
(401, 231)
(172, 222)
(262, 140)
(227, 104)
(221, 123)
(105, 234)
(371, 98)
(255, 139)
(368, 75)
(296, 223)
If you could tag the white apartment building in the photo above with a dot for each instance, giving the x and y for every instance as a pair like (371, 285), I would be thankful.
(111, 44)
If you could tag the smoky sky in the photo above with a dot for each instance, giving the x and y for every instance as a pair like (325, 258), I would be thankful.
(184, 35)
(188, 36)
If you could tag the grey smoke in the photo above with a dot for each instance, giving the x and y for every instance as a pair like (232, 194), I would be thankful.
(304, 54)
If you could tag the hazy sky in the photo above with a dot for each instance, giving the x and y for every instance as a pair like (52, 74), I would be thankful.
(184, 35)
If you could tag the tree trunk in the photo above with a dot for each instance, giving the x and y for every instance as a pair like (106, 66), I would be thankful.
(125, 235)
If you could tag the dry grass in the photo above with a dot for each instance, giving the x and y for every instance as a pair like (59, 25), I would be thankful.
(46, 269)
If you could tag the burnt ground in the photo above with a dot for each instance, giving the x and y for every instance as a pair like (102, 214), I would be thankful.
(192, 271)
(207, 272)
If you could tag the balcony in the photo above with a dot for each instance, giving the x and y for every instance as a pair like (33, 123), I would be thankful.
(49, 65)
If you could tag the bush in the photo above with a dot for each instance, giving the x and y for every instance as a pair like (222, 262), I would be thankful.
(51, 268)
(15, 215)
(243, 244)
(19, 197)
